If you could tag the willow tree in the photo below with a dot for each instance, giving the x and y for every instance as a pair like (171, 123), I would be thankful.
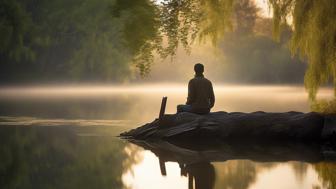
(314, 37)
(180, 23)
(313, 24)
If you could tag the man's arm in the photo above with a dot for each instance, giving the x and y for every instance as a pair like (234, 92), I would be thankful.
(190, 97)
(212, 96)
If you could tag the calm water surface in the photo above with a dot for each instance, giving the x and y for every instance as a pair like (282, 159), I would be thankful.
(65, 137)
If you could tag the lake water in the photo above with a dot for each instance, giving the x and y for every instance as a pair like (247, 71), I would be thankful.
(65, 137)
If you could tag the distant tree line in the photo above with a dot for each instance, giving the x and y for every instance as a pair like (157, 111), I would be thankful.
(66, 40)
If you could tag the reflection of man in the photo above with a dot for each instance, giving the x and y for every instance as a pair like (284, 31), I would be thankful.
(201, 97)
(203, 173)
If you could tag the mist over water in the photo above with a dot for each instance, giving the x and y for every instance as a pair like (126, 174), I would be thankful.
(141, 103)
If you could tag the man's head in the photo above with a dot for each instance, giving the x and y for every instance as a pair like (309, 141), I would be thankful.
(199, 68)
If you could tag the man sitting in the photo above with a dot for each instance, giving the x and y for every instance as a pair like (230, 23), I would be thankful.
(201, 96)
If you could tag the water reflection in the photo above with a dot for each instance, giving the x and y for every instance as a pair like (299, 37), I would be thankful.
(56, 157)
(236, 174)
(327, 174)
(79, 149)
(91, 157)
(201, 174)
(238, 165)
(240, 174)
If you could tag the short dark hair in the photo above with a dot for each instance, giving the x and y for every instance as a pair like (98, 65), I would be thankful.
(199, 68)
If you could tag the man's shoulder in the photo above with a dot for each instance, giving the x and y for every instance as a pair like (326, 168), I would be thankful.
(196, 79)
(192, 80)
(206, 80)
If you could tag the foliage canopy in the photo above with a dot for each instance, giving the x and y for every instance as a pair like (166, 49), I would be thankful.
(90, 39)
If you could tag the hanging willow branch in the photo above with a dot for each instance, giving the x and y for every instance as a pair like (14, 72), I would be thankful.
(313, 39)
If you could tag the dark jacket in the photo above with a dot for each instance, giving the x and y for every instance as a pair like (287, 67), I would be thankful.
(200, 95)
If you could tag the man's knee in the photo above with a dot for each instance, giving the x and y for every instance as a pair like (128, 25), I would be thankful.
(179, 108)
(183, 108)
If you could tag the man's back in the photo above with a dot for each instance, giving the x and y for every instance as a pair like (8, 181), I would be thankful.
(200, 95)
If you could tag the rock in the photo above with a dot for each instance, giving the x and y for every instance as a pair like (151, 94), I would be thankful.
(329, 128)
(239, 126)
